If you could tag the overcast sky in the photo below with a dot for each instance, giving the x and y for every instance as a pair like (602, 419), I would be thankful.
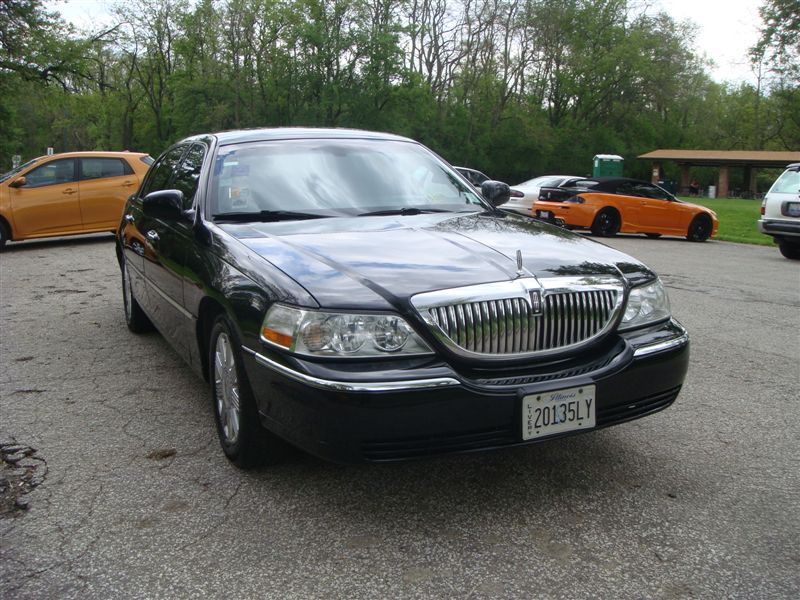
(726, 28)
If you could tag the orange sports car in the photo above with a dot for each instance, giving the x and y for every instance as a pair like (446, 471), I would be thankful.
(69, 193)
(611, 205)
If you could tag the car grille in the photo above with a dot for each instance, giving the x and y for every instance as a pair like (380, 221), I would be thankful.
(509, 326)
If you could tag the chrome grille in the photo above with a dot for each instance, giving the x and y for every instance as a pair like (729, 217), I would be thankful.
(508, 326)
(522, 317)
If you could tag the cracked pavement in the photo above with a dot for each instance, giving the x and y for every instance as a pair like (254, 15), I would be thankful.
(699, 501)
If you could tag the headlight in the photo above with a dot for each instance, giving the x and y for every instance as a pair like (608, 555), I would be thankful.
(317, 333)
(646, 304)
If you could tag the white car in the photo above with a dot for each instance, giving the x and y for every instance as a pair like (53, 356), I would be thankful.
(530, 190)
(780, 212)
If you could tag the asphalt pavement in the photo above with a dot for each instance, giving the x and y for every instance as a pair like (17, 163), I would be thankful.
(121, 491)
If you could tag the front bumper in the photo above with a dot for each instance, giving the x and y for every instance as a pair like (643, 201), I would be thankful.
(346, 415)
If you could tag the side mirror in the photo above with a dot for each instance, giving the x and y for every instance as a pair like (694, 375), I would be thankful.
(18, 182)
(164, 204)
(496, 192)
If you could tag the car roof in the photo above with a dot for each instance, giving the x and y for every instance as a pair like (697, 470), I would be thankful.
(539, 177)
(92, 154)
(297, 133)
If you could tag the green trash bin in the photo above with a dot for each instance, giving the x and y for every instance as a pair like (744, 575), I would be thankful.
(607, 165)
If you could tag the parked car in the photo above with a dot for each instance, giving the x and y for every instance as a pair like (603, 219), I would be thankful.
(530, 192)
(68, 194)
(610, 205)
(353, 295)
(780, 212)
(475, 177)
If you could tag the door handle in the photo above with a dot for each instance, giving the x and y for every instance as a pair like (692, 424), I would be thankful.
(69, 191)
(152, 236)
(127, 183)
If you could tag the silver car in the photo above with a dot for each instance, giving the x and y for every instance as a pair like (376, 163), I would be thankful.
(530, 190)
(780, 212)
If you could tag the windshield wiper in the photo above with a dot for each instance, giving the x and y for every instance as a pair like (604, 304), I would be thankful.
(266, 216)
(406, 210)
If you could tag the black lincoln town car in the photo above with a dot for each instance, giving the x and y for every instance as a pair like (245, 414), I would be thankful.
(352, 294)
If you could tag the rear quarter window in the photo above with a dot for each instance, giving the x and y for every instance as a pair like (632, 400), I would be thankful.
(787, 183)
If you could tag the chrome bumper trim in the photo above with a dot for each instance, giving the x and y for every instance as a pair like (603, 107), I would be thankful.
(352, 386)
(661, 346)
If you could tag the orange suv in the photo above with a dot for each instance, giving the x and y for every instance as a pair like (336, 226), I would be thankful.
(69, 193)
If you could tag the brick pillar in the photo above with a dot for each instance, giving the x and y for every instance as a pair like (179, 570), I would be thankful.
(722, 188)
(685, 174)
(654, 174)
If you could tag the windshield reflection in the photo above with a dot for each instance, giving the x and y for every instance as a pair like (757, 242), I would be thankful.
(335, 178)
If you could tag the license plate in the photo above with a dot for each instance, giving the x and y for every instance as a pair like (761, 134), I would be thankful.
(544, 214)
(558, 411)
(791, 209)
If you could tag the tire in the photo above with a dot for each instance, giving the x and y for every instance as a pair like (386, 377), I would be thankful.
(135, 319)
(790, 250)
(653, 236)
(245, 442)
(699, 229)
(5, 235)
(606, 223)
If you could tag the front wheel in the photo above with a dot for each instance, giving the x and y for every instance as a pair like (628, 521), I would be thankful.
(790, 250)
(606, 223)
(699, 229)
(245, 442)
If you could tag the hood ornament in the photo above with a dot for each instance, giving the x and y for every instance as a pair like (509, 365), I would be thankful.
(520, 270)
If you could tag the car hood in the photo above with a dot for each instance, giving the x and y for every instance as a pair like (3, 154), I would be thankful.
(380, 262)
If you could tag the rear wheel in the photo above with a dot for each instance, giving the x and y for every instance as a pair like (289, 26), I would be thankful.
(135, 318)
(699, 229)
(606, 223)
(790, 250)
(5, 234)
(245, 442)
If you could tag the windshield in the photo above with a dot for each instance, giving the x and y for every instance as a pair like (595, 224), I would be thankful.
(13, 172)
(335, 178)
(788, 183)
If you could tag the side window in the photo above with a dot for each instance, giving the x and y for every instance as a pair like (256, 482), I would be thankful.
(651, 191)
(95, 168)
(627, 189)
(187, 176)
(52, 173)
(160, 173)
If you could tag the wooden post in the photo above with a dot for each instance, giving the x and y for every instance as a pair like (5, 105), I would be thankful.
(751, 181)
(685, 175)
(722, 188)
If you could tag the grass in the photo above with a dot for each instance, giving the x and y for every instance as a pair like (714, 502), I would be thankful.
(737, 219)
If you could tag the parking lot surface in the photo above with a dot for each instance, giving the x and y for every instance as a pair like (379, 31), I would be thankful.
(131, 496)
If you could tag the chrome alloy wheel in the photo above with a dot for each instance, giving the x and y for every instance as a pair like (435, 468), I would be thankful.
(226, 385)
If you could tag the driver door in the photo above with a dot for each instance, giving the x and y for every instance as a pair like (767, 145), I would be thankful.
(49, 202)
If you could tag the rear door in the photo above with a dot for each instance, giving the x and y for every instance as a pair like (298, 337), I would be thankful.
(105, 184)
(49, 202)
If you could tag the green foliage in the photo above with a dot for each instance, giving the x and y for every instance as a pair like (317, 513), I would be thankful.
(513, 88)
